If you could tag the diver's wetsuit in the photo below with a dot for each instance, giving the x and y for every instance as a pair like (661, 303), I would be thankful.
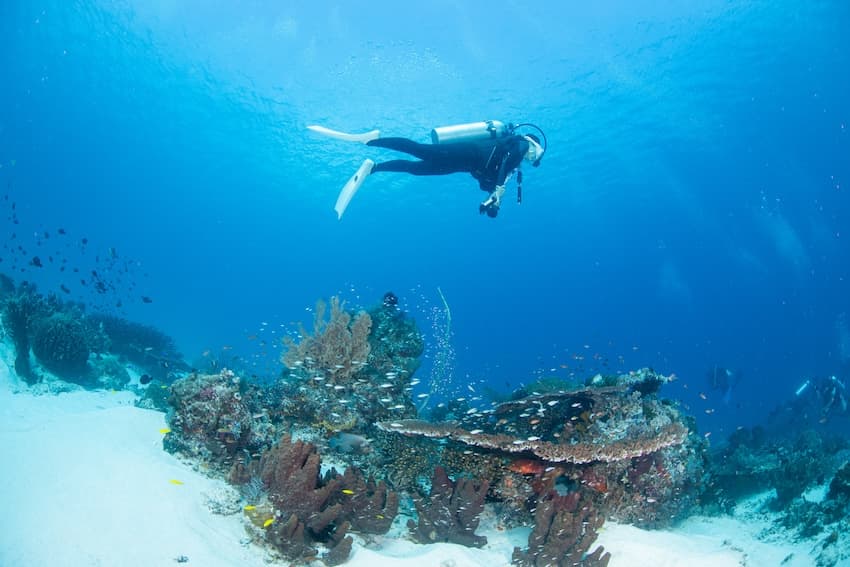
(488, 161)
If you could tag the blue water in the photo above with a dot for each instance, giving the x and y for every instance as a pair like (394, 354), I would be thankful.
(693, 208)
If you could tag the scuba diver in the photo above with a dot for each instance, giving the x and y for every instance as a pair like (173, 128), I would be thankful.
(724, 380)
(490, 151)
(828, 397)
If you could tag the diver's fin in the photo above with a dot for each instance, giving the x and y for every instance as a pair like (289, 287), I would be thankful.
(352, 186)
(365, 137)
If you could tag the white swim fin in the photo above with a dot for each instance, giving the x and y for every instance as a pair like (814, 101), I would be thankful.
(352, 186)
(363, 138)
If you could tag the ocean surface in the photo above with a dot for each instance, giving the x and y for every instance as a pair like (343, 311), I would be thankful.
(692, 210)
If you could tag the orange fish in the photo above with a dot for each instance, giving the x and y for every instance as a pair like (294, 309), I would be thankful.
(528, 466)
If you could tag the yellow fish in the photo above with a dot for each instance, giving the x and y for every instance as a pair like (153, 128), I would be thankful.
(347, 491)
(175, 481)
(250, 507)
(379, 516)
(165, 430)
(268, 522)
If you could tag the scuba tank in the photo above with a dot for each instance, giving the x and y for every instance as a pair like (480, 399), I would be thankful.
(470, 132)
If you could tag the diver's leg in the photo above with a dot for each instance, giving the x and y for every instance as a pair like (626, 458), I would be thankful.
(421, 151)
(415, 167)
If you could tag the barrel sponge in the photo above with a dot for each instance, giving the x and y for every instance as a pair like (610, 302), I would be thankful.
(60, 344)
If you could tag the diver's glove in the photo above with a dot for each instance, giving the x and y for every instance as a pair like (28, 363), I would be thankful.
(492, 203)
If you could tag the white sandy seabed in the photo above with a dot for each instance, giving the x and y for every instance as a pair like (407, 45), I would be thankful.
(85, 482)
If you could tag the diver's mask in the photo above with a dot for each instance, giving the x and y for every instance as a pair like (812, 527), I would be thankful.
(535, 151)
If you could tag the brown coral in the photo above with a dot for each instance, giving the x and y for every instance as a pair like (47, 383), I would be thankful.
(576, 453)
(369, 506)
(337, 347)
(290, 472)
(451, 511)
(565, 526)
(310, 508)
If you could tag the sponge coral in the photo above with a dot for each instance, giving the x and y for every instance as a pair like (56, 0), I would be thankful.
(60, 344)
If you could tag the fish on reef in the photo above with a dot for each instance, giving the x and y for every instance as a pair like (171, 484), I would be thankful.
(528, 466)
(145, 379)
(146, 299)
(175, 481)
(344, 442)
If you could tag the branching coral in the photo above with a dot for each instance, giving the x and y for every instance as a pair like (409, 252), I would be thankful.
(353, 370)
(337, 347)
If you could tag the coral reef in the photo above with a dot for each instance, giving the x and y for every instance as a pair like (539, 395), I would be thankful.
(368, 506)
(406, 463)
(583, 453)
(839, 486)
(451, 511)
(21, 310)
(790, 462)
(353, 370)
(754, 461)
(306, 508)
(108, 373)
(565, 526)
(336, 347)
(147, 347)
(290, 472)
(215, 418)
(615, 437)
(58, 333)
(60, 344)
(395, 344)
(825, 522)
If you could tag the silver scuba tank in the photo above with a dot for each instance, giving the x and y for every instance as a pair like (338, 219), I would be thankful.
(469, 132)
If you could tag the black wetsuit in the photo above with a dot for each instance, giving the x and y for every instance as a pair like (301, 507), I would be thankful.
(488, 161)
